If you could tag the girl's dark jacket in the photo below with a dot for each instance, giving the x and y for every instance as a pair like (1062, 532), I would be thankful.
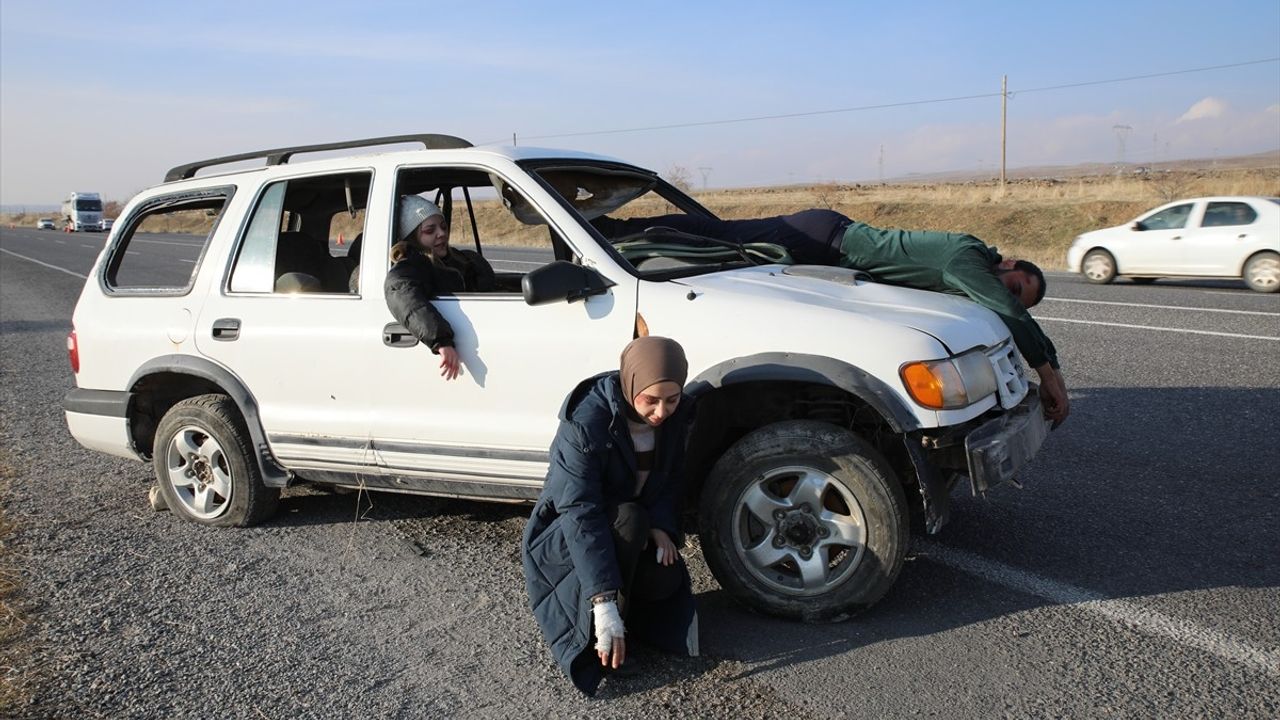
(568, 544)
(415, 279)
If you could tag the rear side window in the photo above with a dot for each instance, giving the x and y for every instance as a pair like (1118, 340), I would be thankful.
(301, 236)
(1219, 214)
(160, 248)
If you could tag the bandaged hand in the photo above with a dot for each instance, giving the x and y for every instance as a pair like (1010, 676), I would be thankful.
(610, 644)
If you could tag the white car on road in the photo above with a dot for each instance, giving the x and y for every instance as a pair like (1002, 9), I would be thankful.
(1235, 237)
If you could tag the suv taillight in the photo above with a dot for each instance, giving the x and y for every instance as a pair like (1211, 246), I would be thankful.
(73, 352)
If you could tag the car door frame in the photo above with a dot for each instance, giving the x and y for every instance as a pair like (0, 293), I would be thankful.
(487, 433)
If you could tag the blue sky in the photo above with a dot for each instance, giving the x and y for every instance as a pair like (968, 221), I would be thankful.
(107, 96)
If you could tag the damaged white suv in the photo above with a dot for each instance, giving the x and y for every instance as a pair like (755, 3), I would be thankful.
(809, 459)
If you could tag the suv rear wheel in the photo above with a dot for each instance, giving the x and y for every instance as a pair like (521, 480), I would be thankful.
(204, 465)
(804, 520)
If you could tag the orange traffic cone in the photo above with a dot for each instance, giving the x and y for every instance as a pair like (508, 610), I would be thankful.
(340, 241)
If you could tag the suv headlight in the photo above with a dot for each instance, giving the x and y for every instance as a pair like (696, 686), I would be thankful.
(951, 383)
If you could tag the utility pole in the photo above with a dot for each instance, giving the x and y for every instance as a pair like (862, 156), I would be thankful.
(880, 166)
(1004, 123)
(513, 139)
(1122, 132)
(705, 172)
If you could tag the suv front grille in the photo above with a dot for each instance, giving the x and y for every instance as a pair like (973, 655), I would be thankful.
(1011, 378)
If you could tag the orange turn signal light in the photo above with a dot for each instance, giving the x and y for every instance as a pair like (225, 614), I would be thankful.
(925, 386)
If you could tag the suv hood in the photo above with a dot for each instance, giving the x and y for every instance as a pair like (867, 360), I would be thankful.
(958, 323)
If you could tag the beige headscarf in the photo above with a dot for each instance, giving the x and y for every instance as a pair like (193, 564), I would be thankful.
(650, 360)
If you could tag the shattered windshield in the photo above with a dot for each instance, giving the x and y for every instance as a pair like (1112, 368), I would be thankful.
(659, 231)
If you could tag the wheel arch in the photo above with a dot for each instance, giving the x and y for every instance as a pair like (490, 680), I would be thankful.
(1247, 258)
(164, 381)
(740, 395)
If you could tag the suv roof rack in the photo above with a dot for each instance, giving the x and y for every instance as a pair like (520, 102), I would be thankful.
(280, 156)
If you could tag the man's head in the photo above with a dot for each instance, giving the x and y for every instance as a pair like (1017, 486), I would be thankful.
(1024, 279)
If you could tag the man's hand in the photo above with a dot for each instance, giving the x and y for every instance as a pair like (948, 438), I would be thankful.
(450, 365)
(666, 550)
(1053, 394)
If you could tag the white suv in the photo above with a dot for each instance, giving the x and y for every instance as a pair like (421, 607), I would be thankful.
(809, 458)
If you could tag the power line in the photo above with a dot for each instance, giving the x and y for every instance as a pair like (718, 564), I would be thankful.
(1145, 77)
(883, 106)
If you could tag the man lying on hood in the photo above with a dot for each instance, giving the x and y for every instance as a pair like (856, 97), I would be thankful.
(953, 263)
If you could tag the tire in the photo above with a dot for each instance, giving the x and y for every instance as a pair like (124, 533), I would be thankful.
(203, 461)
(804, 520)
(1262, 272)
(1098, 267)
(1143, 280)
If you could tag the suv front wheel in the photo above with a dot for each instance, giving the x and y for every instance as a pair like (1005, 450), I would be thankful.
(204, 465)
(804, 520)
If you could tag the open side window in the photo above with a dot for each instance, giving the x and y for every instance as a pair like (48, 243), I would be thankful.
(488, 216)
(160, 248)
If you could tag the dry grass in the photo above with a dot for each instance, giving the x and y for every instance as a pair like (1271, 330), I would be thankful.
(1032, 219)
(16, 678)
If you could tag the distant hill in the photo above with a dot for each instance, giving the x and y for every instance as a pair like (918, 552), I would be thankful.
(1269, 159)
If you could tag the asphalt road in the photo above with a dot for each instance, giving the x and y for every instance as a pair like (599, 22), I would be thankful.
(1136, 575)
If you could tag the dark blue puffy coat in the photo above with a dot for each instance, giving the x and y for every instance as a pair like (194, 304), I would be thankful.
(568, 547)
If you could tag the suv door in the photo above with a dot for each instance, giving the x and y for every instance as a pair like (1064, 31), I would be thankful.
(285, 321)
(491, 427)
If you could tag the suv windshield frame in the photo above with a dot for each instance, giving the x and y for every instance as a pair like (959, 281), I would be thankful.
(660, 187)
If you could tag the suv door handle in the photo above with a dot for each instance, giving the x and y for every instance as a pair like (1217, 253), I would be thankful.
(226, 329)
(395, 335)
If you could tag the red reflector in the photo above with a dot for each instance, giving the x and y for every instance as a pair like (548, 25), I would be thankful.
(73, 352)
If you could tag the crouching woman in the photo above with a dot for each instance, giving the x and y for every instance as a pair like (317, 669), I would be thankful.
(601, 560)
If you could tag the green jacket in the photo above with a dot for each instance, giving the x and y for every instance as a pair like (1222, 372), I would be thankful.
(950, 263)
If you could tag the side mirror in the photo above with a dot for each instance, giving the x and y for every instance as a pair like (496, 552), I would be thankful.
(1138, 226)
(562, 281)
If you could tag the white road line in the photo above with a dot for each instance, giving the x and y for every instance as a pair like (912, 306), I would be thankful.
(519, 262)
(189, 262)
(88, 246)
(1162, 329)
(1183, 632)
(45, 264)
(60, 242)
(1164, 307)
(170, 242)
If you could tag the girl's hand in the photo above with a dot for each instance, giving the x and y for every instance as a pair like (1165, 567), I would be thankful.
(666, 550)
(450, 365)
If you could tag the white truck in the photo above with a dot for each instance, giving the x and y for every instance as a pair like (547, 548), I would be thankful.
(82, 211)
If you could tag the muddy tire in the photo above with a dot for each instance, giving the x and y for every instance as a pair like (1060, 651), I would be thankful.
(804, 520)
(204, 465)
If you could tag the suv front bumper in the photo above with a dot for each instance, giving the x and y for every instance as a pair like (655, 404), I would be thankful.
(999, 448)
